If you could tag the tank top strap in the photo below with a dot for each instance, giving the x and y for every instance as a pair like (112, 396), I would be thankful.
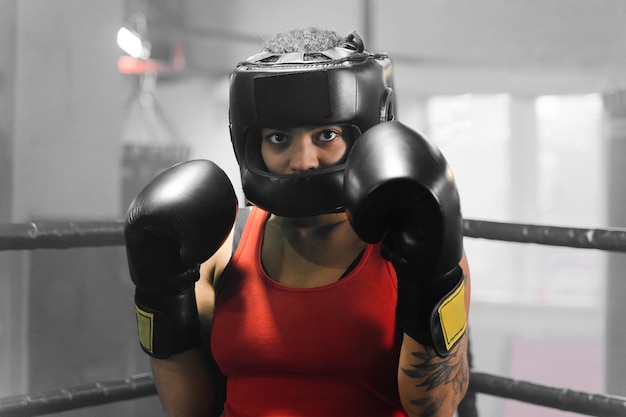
(240, 223)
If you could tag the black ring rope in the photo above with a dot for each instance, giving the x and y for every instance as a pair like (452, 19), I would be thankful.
(88, 395)
(105, 392)
(561, 398)
(59, 235)
(611, 239)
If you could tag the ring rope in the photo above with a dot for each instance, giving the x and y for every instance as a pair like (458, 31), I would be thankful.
(142, 385)
(88, 395)
(561, 398)
(63, 235)
(612, 239)
(60, 235)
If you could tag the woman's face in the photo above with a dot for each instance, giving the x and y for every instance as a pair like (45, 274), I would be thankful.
(293, 150)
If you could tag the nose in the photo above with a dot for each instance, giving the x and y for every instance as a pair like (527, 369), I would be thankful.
(304, 156)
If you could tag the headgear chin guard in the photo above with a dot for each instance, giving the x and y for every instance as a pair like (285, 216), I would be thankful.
(345, 85)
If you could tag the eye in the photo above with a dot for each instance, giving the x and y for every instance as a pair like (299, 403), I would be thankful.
(327, 135)
(276, 138)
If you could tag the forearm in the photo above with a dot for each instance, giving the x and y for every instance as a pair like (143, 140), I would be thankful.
(430, 385)
(185, 384)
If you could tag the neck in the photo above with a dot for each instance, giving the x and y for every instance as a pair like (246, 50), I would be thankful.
(312, 224)
(310, 251)
(315, 234)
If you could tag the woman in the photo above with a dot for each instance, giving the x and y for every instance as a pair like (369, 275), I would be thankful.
(301, 311)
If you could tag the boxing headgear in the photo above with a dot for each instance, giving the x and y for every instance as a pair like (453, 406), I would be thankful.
(345, 85)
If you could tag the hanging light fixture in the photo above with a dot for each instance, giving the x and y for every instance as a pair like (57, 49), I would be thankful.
(133, 39)
(132, 43)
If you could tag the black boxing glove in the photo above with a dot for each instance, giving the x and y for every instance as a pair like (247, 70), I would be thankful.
(179, 220)
(398, 188)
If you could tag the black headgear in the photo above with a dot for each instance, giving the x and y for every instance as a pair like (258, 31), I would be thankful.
(345, 85)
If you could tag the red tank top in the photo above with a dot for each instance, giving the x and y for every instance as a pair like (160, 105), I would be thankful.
(328, 351)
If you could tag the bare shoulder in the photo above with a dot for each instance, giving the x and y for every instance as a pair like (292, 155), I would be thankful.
(211, 270)
(468, 280)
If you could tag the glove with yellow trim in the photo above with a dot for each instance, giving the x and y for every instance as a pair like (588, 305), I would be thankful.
(175, 223)
(399, 189)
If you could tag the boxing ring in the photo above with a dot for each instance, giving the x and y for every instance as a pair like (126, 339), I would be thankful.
(66, 235)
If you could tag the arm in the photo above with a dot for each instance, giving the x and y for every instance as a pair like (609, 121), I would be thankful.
(187, 382)
(430, 385)
(176, 230)
(400, 190)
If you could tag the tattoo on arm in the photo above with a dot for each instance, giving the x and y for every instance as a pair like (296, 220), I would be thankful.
(431, 371)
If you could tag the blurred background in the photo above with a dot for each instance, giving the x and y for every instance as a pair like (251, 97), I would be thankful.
(526, 100)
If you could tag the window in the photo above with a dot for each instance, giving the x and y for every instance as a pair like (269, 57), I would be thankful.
(561, 155)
